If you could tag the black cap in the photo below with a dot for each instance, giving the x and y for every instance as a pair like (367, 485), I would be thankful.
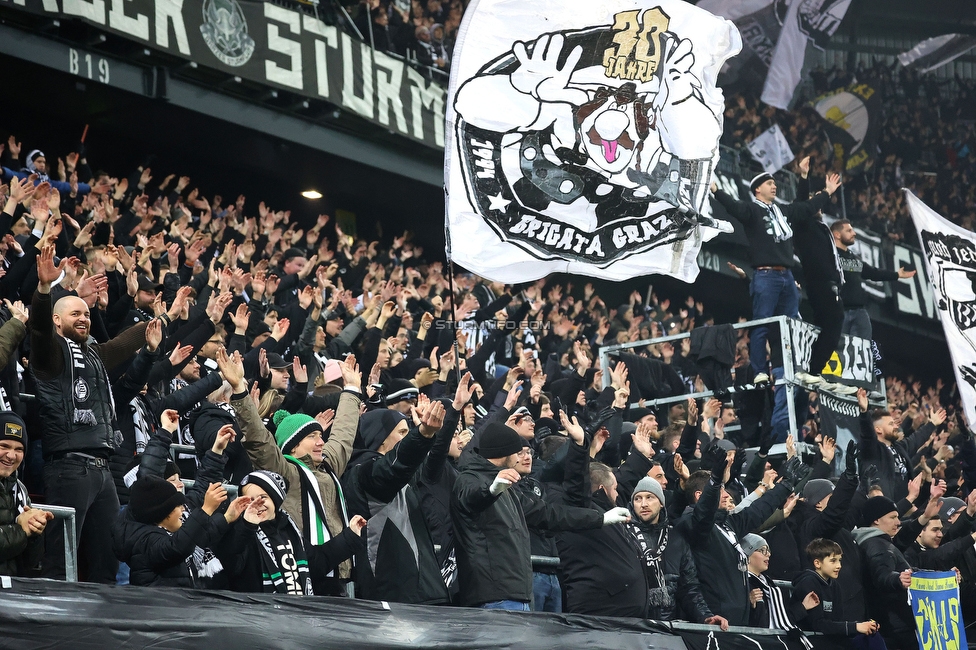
(145, 284)
(277, 361)
(499, 441)
(292, 252)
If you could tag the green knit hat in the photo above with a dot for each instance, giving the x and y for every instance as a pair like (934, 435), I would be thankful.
(293, 428)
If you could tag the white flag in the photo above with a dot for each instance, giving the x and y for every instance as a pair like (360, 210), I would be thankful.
(771, 149)
(950, 258)
(935, 52)
(814, 20)
(575, 128)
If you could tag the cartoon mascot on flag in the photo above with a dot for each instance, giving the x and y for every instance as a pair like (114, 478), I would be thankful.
(599, 124)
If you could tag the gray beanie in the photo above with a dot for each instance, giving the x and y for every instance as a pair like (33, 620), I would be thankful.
(752, 543)
(814, 491)
(950, 506)
(648, 484)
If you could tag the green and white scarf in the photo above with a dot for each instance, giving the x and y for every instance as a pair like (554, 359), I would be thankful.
(315, 530)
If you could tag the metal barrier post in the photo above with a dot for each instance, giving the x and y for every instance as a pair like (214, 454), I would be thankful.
(70, 538)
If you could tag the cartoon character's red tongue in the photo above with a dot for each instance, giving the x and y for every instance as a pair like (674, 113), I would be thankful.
(609, 149)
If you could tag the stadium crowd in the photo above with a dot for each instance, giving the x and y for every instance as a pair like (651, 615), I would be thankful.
(417, 437)
(926, 142)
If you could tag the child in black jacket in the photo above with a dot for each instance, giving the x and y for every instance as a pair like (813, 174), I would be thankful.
(827, 617)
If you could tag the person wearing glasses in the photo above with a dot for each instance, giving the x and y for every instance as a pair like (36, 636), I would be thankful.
(770, 608)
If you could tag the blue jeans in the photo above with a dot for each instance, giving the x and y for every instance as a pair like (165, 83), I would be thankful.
(774, 293)
(857, 323)
(511, 605)
(779, 423)
(122, 577)
(547, 593)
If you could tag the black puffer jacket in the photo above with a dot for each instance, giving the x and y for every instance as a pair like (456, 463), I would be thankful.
(681, 597)
(158, 558)
(17, 550)
(205, 422)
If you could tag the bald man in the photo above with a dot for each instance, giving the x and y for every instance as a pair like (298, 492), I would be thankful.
(78, 420)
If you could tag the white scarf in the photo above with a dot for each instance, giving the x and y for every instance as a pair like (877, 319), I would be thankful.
(774, 217)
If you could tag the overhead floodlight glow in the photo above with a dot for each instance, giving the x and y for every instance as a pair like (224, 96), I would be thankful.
(312, 194)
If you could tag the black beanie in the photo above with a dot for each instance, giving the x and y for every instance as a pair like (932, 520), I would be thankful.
(13, 428)
(875, 508)
(498, 441)
(759, 180)
(151, 499)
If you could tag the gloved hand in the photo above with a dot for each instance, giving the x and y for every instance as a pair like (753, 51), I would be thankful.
(851, 459)
(505, 479)
(794, 471)
(713, 458)
(737, 464)
(868, 477)
(616, 516)
(765, 442)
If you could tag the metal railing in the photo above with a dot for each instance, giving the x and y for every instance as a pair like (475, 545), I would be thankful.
(70, 538)
(788, 377)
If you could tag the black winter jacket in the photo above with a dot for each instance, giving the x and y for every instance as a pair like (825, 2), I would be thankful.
(874, 452)
(684, 599)
(492, 537)
(883, 562)
(835, 523)
(158, 558)
(829, 616)
(18, 552)
(398, 563)
(717, 558)
(240, 553)
(763, 249)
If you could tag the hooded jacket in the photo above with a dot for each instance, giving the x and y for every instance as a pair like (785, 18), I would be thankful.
(399, 563)
(882, 563)
(205, 422)
(492, 537)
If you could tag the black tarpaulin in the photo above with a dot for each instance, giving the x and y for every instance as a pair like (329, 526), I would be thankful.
(49, 614)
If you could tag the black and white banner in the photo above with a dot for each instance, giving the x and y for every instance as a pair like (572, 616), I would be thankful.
(950, 258)
(851, 364)
(852, 119)
(575, 129)
(813, 20)
(771, 150)
(935, 52)
(272, 45)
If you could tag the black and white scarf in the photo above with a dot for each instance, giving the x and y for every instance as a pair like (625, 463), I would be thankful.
(83, 357)
(781, 230)
(779, 617)
(653, 554)
(21, 500)
(284, 565)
